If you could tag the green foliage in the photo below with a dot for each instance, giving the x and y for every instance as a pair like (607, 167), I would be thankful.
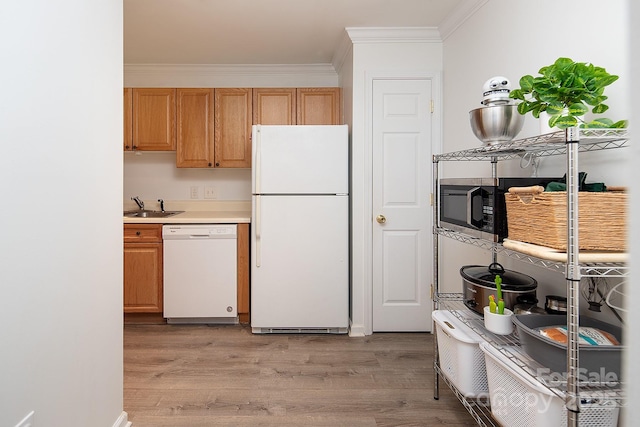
(566, 90)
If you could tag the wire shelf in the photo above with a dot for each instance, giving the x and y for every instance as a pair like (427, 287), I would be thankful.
(586, 269)
(479, 409)
(509, 345)
(542, 145)
(573, 389)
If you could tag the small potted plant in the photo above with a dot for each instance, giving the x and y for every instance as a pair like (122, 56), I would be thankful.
(566, 90)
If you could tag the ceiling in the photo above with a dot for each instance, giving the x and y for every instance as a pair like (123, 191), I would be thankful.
(261, 31)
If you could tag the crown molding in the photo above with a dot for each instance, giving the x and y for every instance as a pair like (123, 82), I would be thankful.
(208, 70)
(340, 53)
(393, 34)
(353, 35)
(459, 15)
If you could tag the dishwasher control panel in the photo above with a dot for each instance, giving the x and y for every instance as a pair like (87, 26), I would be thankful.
(222, 231)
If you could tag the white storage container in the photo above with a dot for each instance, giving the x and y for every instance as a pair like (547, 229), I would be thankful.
(461, 359)
(519, 400)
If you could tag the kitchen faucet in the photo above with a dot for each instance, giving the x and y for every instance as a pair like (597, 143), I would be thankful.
(139, 202)
(161, 205)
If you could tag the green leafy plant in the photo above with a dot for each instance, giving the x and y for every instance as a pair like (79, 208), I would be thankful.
(566, 90)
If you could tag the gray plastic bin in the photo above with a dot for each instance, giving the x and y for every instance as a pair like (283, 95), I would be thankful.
(597, 363)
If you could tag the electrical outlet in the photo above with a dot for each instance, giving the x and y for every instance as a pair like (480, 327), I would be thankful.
(210, 192)
(195, 192)
(27, 421)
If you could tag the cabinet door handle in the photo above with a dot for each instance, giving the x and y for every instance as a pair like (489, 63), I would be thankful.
(217, 164)
(137, 233)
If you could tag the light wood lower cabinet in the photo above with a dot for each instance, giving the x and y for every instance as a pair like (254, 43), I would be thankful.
(143, 268)
(243, 272)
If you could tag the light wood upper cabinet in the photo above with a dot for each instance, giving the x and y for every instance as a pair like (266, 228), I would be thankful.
(195, 144)
(128, 124)
(274, 106)
(142, 279)
(212, 127)
(233, 115)
(319, 106)
(154, 119)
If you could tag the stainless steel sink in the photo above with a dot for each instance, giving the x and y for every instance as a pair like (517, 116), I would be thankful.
(150, 214)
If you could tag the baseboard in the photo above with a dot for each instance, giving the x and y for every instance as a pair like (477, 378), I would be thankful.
(202, 320)
(122, 420)
(356, 330)
(257, 330)
(244, 318)
(144, 319)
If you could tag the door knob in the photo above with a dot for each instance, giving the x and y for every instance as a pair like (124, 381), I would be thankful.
(381, 219)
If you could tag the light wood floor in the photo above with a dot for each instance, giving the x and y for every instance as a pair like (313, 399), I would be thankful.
(196, 376)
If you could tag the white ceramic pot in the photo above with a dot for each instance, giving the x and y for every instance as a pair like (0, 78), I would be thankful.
(544, 124)
(500, 324)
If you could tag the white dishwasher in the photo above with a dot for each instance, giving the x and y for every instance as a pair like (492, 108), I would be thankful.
(200, 273)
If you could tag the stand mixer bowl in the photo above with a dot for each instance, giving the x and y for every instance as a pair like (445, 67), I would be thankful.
(496, 123)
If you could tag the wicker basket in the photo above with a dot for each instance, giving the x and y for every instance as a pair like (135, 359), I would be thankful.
(539, 217)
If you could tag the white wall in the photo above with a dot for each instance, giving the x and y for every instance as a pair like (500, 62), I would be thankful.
(390, 59)
(585, 30)
(529, 37)
(513, 39)
(61, 183)
(153, 75)
(631, 365)
(154, 175)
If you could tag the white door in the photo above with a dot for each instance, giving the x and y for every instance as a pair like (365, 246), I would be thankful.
(401, 205)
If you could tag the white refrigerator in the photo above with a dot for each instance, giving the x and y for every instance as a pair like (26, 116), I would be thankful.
(300, 229)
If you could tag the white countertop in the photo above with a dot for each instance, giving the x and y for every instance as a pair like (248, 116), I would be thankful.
(196, 213)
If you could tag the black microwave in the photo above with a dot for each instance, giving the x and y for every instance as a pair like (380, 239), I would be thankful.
(476, 206)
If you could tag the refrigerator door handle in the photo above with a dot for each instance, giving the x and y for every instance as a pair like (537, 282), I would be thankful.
(258, 160)
(258, 230)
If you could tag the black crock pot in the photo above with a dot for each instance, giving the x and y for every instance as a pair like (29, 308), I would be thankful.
(478, 283)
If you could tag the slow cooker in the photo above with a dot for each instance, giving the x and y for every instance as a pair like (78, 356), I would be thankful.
(478, 283)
